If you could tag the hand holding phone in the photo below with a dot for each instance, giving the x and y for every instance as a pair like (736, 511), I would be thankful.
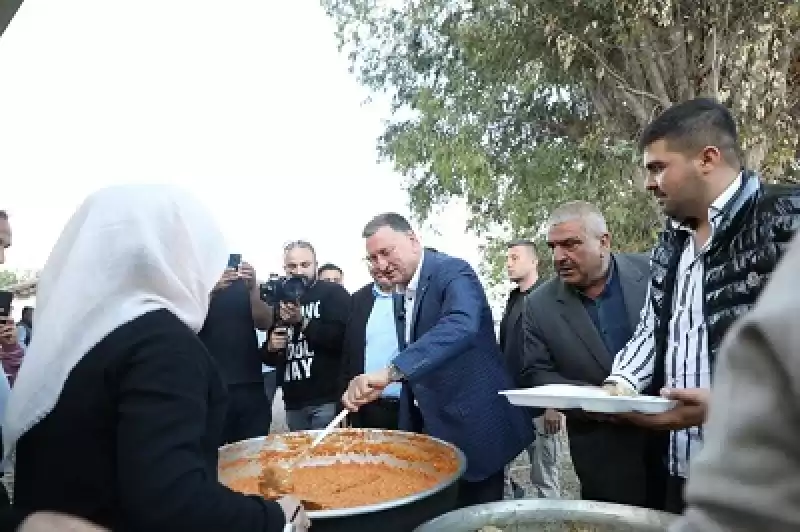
(234, 261)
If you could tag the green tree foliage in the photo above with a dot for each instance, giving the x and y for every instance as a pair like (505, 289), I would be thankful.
(9, 278)
(518, 105)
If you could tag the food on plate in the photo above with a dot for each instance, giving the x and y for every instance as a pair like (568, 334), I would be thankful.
(620, 390)
(332, 484)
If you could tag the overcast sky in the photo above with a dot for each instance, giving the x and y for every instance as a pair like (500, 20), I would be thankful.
(247, 102)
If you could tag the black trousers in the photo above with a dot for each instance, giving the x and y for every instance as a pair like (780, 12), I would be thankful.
(675, 503)
(488, 490)
(620, 464)
(249, 412)
(381, 414)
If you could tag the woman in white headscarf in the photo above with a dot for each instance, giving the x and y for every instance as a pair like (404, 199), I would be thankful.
(117, 410)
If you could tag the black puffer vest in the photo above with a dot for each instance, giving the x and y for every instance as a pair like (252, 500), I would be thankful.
(757, 226)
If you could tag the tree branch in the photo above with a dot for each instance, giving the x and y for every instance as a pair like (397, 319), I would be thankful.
(677, 37)
(656, 66)
(623, 84)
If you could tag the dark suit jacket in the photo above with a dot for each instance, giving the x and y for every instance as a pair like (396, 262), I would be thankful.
(454, 369)
(561, 343)
(562, 346)
(355, 340)
(511, 344)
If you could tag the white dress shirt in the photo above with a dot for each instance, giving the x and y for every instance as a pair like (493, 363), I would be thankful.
(687, 361)
(409, 297)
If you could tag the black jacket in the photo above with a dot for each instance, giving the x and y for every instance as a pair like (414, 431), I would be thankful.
(309, 369)
(132, 441)
(510, 334)
(355, 340)
(757, 226)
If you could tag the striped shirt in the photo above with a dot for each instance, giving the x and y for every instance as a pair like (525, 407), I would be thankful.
(687, 361)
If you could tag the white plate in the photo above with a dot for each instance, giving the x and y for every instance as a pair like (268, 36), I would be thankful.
(569, 397)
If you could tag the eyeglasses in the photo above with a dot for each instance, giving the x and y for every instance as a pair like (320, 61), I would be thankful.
(384, 254)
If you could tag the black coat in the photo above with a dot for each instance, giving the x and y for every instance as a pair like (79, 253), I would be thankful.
(132, 441)
(355, 337)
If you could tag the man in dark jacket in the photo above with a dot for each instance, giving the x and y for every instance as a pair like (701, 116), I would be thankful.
(449, 365)
(725, 233)
(306, 346)
(573, 326)
(229, 334)
(370, 343)
(523, 270)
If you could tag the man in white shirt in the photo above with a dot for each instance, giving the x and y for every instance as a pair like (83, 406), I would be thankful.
(724, 235)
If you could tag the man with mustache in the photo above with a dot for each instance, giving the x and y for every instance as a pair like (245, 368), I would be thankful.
(449, 364)
(724, 235)
(572, 327)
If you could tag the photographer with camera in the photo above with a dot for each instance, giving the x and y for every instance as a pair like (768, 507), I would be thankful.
(305, 345)
(229, 334)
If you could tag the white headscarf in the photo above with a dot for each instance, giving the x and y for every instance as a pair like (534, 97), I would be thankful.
(127, 250)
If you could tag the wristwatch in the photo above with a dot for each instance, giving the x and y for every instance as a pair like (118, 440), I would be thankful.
(395, 375)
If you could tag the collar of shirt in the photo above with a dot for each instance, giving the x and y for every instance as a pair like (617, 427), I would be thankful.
(717, 207)
(411, 288)
(518, 290)
(377, 292)
(612, 268)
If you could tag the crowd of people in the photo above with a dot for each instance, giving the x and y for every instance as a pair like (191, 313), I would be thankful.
(145, 362)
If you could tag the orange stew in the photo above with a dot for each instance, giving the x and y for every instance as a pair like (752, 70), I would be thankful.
(346, 484)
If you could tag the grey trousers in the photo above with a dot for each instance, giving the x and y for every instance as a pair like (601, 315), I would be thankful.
(545, 475)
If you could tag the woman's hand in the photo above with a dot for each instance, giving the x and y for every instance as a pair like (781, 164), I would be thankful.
(295, 513)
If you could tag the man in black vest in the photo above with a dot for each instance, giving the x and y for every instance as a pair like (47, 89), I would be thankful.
(725, 233)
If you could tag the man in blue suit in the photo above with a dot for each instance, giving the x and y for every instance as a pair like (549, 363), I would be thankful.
(449, 363)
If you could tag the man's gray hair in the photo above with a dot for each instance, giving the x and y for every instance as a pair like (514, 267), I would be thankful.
(392, 220)
(593, 220)
(3, 215)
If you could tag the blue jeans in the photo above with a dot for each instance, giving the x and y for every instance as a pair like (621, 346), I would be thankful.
(311, 417)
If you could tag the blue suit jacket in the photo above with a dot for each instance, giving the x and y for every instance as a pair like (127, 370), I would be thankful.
(454, 369)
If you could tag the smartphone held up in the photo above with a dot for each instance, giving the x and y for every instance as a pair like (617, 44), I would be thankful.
(234, 261)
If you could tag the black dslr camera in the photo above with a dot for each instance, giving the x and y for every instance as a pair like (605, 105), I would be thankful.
(287, 289)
